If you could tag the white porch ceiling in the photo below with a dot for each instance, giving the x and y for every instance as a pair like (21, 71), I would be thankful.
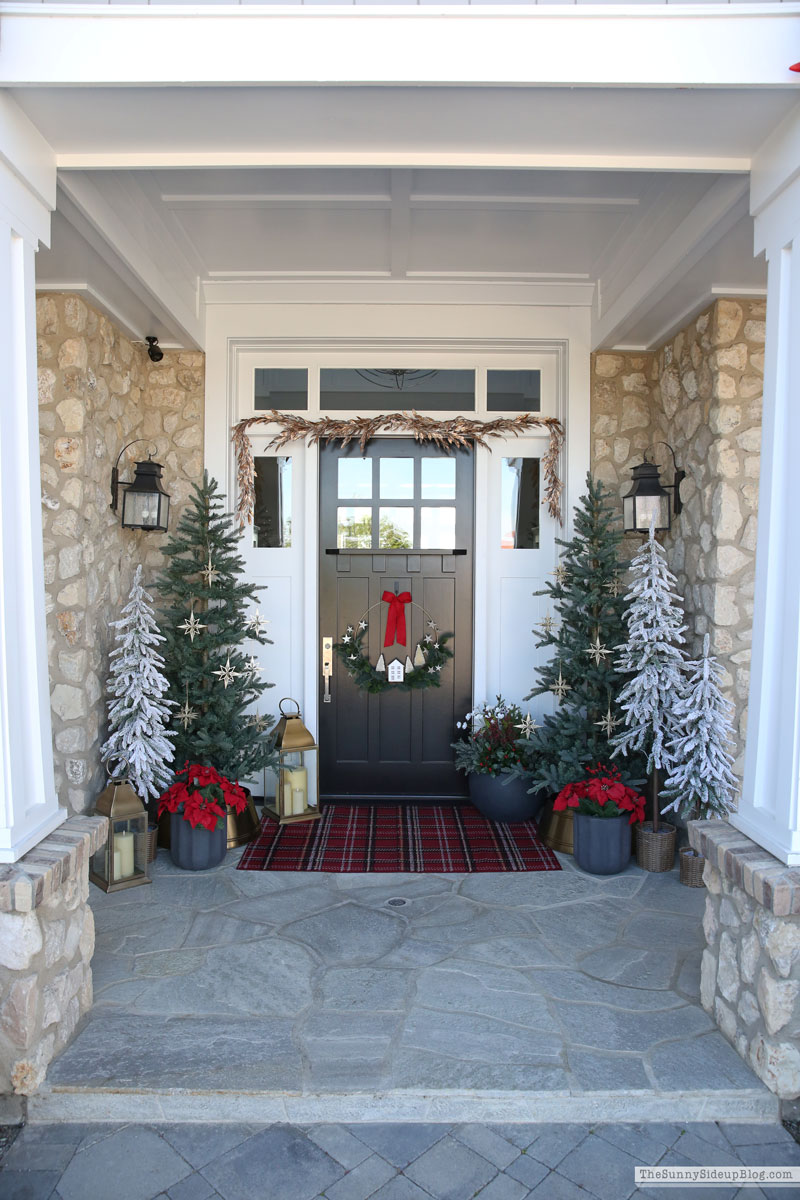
(632, 200)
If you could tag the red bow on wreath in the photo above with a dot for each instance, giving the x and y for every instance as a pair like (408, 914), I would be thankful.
(396, 620)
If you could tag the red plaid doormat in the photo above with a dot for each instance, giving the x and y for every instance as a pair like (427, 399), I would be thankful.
(416, 838)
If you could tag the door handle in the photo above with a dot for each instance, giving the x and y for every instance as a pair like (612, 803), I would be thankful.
(327, 668)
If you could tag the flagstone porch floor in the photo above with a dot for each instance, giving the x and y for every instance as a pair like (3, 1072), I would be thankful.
(298, 998)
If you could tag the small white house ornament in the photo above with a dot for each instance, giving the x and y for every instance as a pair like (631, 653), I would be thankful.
(395, 671)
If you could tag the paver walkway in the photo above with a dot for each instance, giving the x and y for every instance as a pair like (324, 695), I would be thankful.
(286, 997)
(382, 1162)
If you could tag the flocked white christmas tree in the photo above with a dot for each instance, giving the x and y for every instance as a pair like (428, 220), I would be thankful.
(139, 745)
(701, 781)
(654, 658)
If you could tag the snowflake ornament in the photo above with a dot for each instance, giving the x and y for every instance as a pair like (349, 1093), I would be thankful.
(252, 666)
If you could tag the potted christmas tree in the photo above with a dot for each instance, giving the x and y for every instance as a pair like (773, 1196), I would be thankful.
(701, 783)
(139, 746)
(208, 618)
(654, 662)
(588, 626)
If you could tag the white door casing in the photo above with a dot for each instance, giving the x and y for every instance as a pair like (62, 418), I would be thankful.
(504, 653)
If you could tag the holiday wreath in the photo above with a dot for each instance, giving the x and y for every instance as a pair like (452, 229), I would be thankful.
(425, 671)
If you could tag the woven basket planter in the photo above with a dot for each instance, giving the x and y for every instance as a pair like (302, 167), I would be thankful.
(655, 851)
(691, 867)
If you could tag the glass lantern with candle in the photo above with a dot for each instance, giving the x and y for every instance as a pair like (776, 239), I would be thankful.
(297, 792)
(122, 861)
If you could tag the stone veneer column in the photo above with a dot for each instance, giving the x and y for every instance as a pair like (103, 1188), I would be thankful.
(750, 973)
(46, 946)
(98, 391)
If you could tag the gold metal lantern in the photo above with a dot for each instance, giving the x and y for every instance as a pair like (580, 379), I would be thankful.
(297, 796)
(122, 862)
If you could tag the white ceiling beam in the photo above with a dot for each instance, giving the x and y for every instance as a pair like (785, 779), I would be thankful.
(347, 156)
(777, 163)
(26, 153)
(725, 202)
(115, 229)
(647, 45)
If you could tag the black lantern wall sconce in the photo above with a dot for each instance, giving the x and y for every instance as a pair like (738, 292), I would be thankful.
(145, 504)
(649, 498)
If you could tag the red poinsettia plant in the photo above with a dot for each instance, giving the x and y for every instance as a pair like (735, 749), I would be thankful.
(601, 794)
(202, 797)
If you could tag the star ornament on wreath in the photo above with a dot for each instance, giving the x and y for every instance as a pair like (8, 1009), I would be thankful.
(431, 655)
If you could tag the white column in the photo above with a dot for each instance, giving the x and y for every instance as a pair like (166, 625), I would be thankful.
(770, 808)
(29, 808)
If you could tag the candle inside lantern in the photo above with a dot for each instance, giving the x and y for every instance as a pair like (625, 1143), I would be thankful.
(124, 846)
(297, 779)
(117, 864)
(287, 795)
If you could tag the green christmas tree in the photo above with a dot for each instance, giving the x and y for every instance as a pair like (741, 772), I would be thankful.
(208, 618)
(583, 634)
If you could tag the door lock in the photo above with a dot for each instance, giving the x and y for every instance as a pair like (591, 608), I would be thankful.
(327, 668)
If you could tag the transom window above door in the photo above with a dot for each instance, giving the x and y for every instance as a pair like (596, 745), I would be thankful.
(395, 502)
(344, 389)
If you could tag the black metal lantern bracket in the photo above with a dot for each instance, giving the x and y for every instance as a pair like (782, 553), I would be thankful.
(116, 482)
(678, 477)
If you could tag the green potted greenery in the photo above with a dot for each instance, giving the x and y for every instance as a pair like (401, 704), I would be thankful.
(497, 763)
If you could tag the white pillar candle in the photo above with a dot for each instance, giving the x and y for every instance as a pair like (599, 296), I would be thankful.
(117, 864)
(298, 780)
(124, 843)
(286, 808)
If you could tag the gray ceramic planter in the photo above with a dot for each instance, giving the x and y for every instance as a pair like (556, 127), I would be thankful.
(602, 844)
(195, 849)
(502, 799)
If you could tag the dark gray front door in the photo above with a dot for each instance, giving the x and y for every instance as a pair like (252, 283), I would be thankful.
(390, 521)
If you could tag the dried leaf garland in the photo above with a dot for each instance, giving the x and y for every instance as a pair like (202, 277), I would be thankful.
(458, 433)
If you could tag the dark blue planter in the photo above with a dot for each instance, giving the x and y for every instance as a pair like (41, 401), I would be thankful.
(196, 849)
(500, 798)
(602, 845)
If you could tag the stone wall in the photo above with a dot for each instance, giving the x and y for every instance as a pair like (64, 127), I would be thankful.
(46, 946)
(750, 973)
(97, 392)
(701, 393)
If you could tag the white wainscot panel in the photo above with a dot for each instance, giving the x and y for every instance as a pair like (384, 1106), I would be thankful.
(518, 656)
